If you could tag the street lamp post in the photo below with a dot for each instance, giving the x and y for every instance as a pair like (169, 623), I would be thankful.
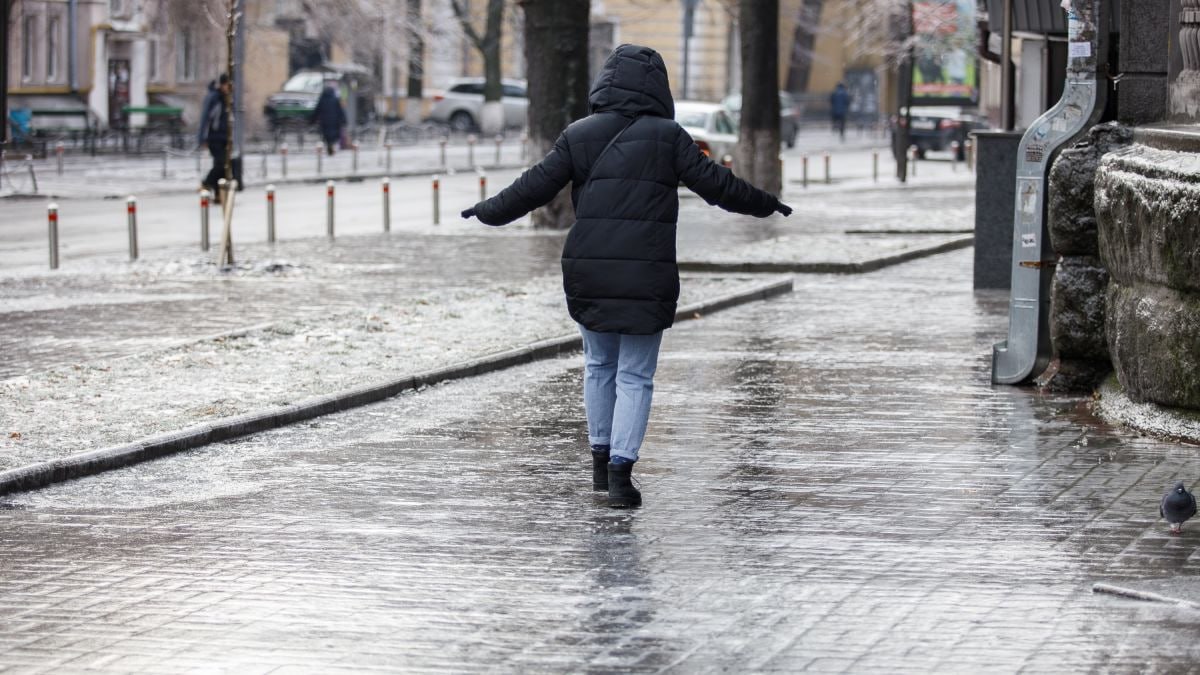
(689, 20)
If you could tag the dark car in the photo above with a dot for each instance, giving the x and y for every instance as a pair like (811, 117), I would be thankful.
(939, 127)
(294, 103)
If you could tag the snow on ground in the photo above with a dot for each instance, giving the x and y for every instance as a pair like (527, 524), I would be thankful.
(71, 409)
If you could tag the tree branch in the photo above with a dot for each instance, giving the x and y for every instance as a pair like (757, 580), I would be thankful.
(461, 13)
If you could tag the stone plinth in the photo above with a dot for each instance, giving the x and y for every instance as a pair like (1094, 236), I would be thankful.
(1148, 212)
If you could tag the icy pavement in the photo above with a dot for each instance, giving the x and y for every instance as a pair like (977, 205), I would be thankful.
(831, 485)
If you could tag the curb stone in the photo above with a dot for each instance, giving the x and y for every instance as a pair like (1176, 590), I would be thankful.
(91, 462)
(827, 267)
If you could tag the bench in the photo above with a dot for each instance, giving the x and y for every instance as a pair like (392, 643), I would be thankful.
(56, 124)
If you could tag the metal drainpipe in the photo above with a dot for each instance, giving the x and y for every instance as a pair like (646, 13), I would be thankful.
(1006, 74)
(1028, 349)
(72, 48)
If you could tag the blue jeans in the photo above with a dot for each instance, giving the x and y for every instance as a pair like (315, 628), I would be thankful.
(618, 383)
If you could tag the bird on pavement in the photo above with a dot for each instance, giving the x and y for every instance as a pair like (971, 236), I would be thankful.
(1177, 506)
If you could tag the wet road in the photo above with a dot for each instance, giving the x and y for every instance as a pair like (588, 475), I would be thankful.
(830, 485)
(106, 307)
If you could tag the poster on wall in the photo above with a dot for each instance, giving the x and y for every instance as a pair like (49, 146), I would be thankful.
(946, 71)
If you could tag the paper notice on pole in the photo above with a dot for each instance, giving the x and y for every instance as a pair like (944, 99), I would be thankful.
(1079, 50)
(1028, 240)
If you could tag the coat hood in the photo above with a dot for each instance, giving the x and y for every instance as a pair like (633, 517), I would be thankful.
(633, 81)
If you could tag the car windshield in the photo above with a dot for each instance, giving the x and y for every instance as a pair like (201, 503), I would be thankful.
(308, 82)
(692, 119)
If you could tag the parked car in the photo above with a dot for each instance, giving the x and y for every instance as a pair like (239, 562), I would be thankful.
(938, 127)
(460, 105)
(790, 112)
(294, 103)
(710, 125)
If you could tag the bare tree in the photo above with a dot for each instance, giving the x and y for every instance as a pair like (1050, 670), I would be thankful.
(416, 61)
(488, 44)
(556, 54)
(757, 155)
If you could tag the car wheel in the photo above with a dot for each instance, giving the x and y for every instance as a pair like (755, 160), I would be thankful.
(462, 121)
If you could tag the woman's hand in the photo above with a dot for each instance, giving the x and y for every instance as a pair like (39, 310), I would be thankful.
(469, 213)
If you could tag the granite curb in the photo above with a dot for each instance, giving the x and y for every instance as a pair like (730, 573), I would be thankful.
(105, 459)
(826, 267)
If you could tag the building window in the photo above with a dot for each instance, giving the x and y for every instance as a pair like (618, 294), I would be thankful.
(53, 45)
(116, 8)
(28, 31)
(152, 57)
(186, 47)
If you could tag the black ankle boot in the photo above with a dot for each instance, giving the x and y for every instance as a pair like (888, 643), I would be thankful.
(600, 470)
(621, 493)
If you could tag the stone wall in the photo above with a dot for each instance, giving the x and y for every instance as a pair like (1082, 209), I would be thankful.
(1077, 297)
(1147, 203)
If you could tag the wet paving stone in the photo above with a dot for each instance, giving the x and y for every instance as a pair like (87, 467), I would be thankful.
(831, 485)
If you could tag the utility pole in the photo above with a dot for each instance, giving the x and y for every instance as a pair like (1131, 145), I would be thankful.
(689, 22)
(904, 91)
(5, 7)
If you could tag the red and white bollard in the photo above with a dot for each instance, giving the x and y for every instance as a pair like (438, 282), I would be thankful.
(954, 149)
(437, 200)
(205, 198)
(131, 211)
(499, 139)
(442, 145)
(387, 204)
(471, 141)
(482, 185)
(804, 170)
(52, 218)
(58, 153)
(329, 208)
(320, 151)
(914, 153)
(283, 158)
(270, 214)
(828, 174)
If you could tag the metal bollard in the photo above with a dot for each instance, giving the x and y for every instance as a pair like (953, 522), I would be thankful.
(727, 161)
(482, 185)
(524, 146)
(875, 166)
(387, 204)
(58, 152)
(970, 150)
(270, 214)
(804, 170)
(913, 152)
(499, 139)
(205, 196)
(131, 210)
(954, 156)
(442, 144)
(828, 177)
(354, 157)
(52, 217)
(283, 159)
(329, 208)
(388, 149)
(199, 167)
(320, 150)
(164, 166)
(437, 198)
(32, 173)
(264, 166)
(471, 140)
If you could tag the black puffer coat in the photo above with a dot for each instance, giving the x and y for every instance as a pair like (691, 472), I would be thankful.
(618, 263)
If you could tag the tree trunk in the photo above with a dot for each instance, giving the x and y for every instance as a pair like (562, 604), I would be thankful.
(488, 45)
(416, 63)
(757, 156)
(556, 54)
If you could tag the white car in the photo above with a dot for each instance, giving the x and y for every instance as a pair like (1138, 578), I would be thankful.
(460, 105)
(710, 125)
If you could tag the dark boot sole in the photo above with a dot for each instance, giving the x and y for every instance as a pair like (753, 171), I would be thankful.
(623, 503)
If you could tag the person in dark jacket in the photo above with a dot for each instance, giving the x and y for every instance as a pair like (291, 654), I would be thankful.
(839, 107)
(624, 162)
(214, 132)
(330, 117)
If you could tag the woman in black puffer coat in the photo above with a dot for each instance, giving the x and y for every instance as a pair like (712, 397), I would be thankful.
(619, 270)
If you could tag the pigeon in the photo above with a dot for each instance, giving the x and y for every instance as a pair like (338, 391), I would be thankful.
(1177, 506)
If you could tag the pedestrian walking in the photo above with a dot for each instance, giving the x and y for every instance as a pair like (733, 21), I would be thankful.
(621, 280)
(839, 106)
(329, 116)
(214, 132)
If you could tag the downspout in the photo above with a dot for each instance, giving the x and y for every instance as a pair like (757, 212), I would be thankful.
(72, 48)
(1028, 350)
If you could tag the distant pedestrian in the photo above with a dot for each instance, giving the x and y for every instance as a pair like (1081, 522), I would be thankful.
(329, 116)
(619, 270)
(839, 106)
(214, 131)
